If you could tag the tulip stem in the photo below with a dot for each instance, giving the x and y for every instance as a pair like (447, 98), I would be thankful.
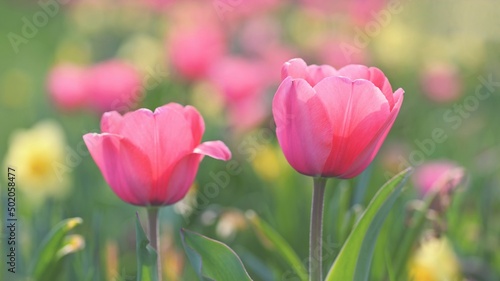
(154, 236)
(315, 238)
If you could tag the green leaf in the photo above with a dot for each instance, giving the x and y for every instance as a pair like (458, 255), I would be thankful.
(146, 255)
(411, 234)
(211, 259)
(55, 246)
(272, 240)
(354, 259)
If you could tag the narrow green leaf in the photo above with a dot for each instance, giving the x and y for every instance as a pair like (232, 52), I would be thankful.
(362, 185)
(266, 233)
(411, 235)
(146, 255)
(211, 259)
(354, 260)
(47, 260)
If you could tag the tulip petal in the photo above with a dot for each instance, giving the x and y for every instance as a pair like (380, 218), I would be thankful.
(214, 149)
(358, 109)
(125, 168)
(373, 74)
(317, 73)
(302, 125)
(174, 137)
(180, 179)
(136, 126)
(296, 68)
(366, 157)
(197, 123)
(111, 122)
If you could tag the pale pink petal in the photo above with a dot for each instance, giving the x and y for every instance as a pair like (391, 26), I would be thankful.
(380, 81)
(174, 136)
(111, 122)
(179, 181)
(136, 126)
(358, 110)
(214, 149)
(197, 123)
(125, 168)
(302, 125)
(317, 73)
(366, 157)
(296, 68)
(373, 74)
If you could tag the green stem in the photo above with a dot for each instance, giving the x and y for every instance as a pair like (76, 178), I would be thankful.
(154, 236)
(316, 239)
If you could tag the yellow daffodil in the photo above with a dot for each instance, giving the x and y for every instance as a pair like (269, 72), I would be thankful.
(435, 260)
(36, 155)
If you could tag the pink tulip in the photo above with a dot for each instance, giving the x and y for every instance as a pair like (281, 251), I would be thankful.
(363, 11)
(442, 176)
(193, 50)
(340, 52)
(241, 83)
(441, 83)
(113, 85)
(331, 123)
(151, 158)
(67, 86)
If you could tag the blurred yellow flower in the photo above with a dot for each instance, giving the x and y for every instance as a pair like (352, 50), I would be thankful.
(268, 163)
(73, 243)
(397, 45)
(36, 155)
(435, 260)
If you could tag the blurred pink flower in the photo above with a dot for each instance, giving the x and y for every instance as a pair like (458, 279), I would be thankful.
(360, 11)
(258, 35)
(325, 6)
(242, 84)
(66, 85)
(441, 83)
(109, 85)
(363, 11)
(273, 59)
(331, 123)
(158, 5)
(341, 52)
(151, 158)
(192, 50)
(239, 9)
(261, 38)
(113, 85)
(442, 176)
